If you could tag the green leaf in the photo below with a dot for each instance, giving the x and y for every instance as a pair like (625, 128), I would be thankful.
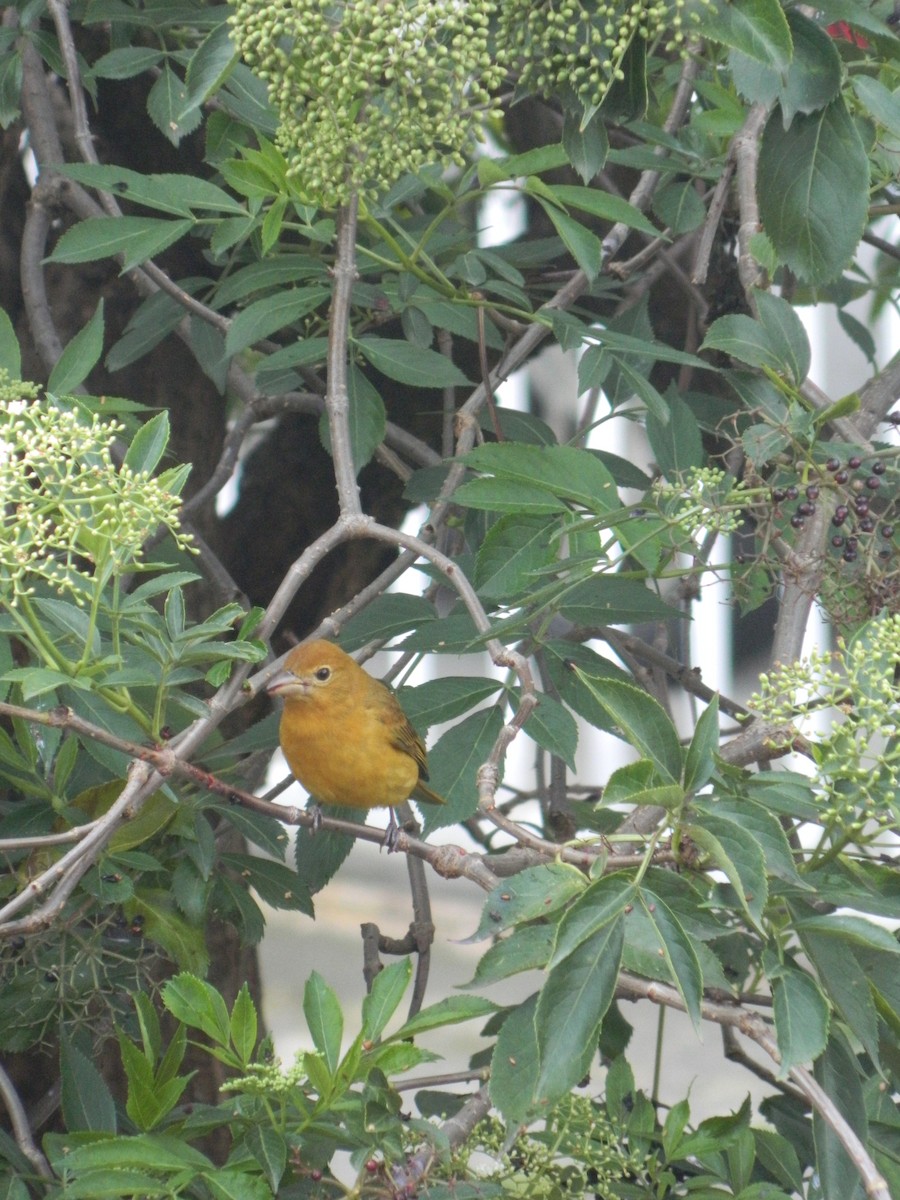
(276, 884)
(413, 365)
(244, 1025)
(508, 496)
(515, 1065)
(174, 113)
(79, 357)
(384, 618)
(566, 472)
(777, 340)
(584, 246)
(700, 761)
(603, 205)
(269, 1147)
(801, 1016)
(678, 953)
(643, 723)
(380, 1004)
(882, 104)
(847, 987)
(532, 162)
(126, 62)
(534, 892)
(514, 548)
(178, 195)
(762, 826)
(148, 446)
(837, 1073)
(848, 928)
(134, 238)
(613, 600)
(85, 1099)
(758, 28)
(525, 949)
(570, 1010)
(198, 1005)
(324, 1019)
(367, 417)
(319, 855)
(452, 1010)
(210, 64)
(453, 763)
(727, 844)
(266, 316)
(813, 188)
(598, 905)
(586, 144)
(10, 355)
(676, 443)
(554, 729)
(443, 699)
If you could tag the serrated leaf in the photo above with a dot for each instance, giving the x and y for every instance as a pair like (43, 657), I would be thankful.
(324, 1019)
(614, 600)
(554, 729)
(599, 904)
(837, 1073)
(534, 892)
(525, 949)
(380, 1004)
(178, 195)
(443, 699)
(367, 418)
(700, 760)
(135, 238)
(813, 188)
(384, 618)
(676, 442)
(762, 826)
(643, 722)
(515, 1065)
(174, 113)
(570, 1010)
(413, 365)
(10, 355)
(741, 859)
(453, 764)
(264, 317)
(198, 1005)
(79, 357)
(512, 550)
(564, 471)
(678, 952)
(450, 1011)
(85, 1099)
(847, 987)
(758, 28)
(319, 855)
(584, 246)
(148, 446)
(604, 206)
(586, 144)
(801, 1017)
(777, 340)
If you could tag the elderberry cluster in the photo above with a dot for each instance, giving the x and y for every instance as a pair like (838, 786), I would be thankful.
(366, 91)
(577, 46)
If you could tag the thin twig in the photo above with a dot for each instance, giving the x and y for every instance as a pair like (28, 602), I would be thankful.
(337, 396)
(20, 1127)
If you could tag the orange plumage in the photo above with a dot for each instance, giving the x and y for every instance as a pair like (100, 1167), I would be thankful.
(344, 734)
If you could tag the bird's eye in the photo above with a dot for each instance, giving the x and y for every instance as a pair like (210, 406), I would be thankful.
(323, 673)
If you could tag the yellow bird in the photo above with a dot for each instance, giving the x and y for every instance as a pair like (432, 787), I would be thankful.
(344, 734)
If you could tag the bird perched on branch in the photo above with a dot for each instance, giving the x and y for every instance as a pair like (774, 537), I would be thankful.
(344, 734)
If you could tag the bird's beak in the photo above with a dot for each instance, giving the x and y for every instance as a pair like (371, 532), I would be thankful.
(286, 683)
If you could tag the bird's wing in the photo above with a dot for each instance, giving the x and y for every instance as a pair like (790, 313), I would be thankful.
(405, 738)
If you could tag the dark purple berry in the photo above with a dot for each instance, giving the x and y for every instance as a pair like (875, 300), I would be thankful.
(778, 495)
(792, 492)
(854, 462)
(842, 477)
(873, 482)
(837, 541)
(805, 509)
(852, 543)
(840, 514)
(812, 491)
(833, 464)
(849, 555)
(861, 506)
(879, 466)
(797, 521)
(887, 531)
(884, 553)
(867, 524)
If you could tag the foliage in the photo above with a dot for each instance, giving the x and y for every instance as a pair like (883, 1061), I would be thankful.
(711, 171)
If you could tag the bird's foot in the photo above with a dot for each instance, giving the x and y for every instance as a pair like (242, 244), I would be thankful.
(391, 834)
(316, 814)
